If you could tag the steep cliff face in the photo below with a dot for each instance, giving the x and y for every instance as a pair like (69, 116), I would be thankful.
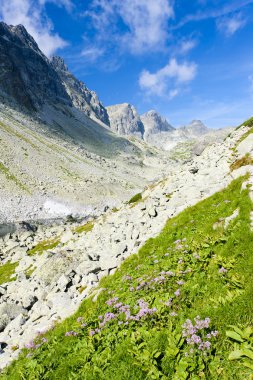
(26, 74)
(124, 120)
(81, 97)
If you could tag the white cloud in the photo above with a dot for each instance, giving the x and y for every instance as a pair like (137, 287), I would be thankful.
(92, 53)
(144, 23)
(173, 75)
(186, 46)
(231, 24)
(32, 15)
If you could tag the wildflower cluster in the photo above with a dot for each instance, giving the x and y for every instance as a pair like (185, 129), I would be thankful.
(122, 314)
(196, 335)
(33, 345)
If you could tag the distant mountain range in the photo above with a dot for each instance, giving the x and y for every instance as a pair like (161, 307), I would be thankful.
(155, 129)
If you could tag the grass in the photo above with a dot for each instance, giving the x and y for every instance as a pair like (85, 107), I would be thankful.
(29, 271)
(247, 123)
(11, 177)
(243, 161)
(136, 198)
(6, 271)
(45, 245)
(190, 269)
(18, 135)
(85, 228)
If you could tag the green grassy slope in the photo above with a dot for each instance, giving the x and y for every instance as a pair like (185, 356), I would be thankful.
(167, 312)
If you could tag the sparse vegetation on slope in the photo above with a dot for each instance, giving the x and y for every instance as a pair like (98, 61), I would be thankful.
(243, 161)
(136, 198)
(6, 272)
(167, 312)
(12, 177)
(85, 228)
(44, 246)
(247, 123)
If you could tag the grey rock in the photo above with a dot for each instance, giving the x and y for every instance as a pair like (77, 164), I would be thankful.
(28, 301)
(124, 120)
(4, 320)
(82, 98)
(154, 123)
(26, 74)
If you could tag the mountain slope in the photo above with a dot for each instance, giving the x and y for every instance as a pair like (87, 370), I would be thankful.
(54, 268)
(166, 310)
(52, 152)
(70, 162)
(82, 98)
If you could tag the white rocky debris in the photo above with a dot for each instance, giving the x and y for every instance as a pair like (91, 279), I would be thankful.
(50, 286)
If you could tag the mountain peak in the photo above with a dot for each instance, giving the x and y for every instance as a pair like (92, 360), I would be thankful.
(125, 120)
(19, 35)
(155, 123)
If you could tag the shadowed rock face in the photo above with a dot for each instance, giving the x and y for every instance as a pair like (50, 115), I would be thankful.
(30, 78)
(82, 98)
(25, 73)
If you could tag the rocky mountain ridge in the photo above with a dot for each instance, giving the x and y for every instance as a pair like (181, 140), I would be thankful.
(32, 80)
(156, 131)
(81, 97)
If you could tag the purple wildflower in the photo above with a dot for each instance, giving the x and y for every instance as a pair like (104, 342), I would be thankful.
(71, 333)
(222, 270)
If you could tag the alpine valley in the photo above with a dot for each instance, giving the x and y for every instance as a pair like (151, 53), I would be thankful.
(125, 243)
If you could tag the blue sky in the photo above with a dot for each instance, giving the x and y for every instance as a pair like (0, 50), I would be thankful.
(186, 59)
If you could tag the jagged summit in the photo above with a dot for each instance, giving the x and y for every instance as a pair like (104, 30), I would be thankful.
(19, 35)
(26, 75)
(154, 123)
(125, 120)
(196, 127)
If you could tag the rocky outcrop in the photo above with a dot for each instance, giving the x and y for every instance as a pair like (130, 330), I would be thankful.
(82, 98)
(124, 120)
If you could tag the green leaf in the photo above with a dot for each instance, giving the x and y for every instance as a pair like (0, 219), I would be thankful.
(247, 352)
(234, 335)
(234, 355)
(247, 332)
(248, 364)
